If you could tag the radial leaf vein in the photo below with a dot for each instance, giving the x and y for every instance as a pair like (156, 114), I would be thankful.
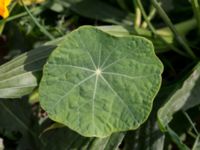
(127, 76)
(90, 56)
(114, 62)
(75, 86)
(121, 100)
(99, 61)
(72, 66)
(106, 59)
(91, 59)
(93, 99)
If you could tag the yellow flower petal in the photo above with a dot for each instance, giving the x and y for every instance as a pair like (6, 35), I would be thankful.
(3, 8)
(7, 2)
(6, 13)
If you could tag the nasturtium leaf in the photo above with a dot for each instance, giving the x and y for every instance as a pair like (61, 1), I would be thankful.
(97, 84)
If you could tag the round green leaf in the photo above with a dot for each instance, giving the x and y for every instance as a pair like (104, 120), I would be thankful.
(97, 84)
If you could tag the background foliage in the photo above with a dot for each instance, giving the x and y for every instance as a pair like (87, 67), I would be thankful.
(172, 25)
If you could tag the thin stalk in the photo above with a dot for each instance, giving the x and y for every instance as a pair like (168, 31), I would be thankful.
(138, 16)
(2, 22)
(196, 11)
(190, 121)
(183, 28)
(42, 29)
(153, 30)
(196, 143)
(150, 16)
(192, 134)
(13, 6)
(167, 20)
(16, 16)
(11, 18)
(145, 16)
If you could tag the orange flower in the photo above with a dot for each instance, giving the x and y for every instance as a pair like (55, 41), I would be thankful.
(4, 8)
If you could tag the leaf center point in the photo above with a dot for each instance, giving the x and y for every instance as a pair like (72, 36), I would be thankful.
(98, 71)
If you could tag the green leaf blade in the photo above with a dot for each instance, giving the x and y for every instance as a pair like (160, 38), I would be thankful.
(98, 84)
(19, 76)
(183, 98)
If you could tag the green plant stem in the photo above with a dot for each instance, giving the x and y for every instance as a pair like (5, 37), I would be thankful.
(138, 16)
(196, 11)
(150, 16)
(192, 134)
(182, 28)
(2, 22)
(42, 29)
(168, 22)
(145, 16)
(196, 143)
(154, 30)
(11, 18)
(13, 6)
(190, 121)
(16, 16)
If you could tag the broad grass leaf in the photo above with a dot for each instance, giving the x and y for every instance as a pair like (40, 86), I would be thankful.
(97, 84)
(196, 145)
(183, 98)
(14, 115)
(93, 9)
(176, 139)
(148, 136)
(17, 124)
(20, 76)
(64, 138)
(118, 30)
